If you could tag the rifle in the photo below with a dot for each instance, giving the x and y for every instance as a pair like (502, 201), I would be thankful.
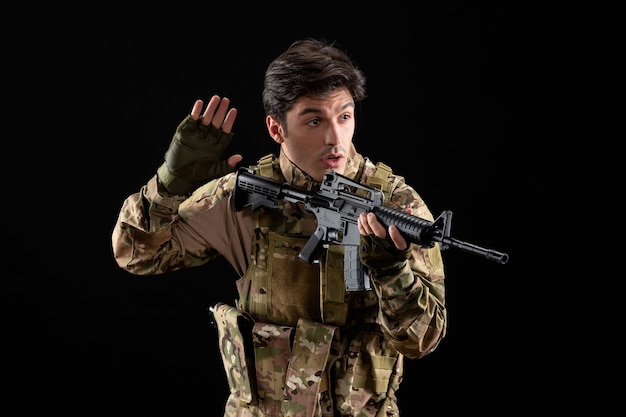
(337, 206)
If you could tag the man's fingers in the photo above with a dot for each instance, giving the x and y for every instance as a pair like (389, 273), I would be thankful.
(208, 115)
(375, 226)
(220, 113)
(234, 160)
(397, 238)
(368, 224)
(229, 121)
(363, 226)
(197, 108)
(216, 113)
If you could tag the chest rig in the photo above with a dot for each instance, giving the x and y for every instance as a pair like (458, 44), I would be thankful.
(295, 312)
(278, 287)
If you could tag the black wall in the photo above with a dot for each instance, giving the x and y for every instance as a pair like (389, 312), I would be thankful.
(467, 102)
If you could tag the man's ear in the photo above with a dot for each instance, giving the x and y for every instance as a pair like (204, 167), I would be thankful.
(274, 129)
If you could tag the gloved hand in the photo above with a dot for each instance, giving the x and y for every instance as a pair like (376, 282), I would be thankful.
(194, 157)
(381, 256)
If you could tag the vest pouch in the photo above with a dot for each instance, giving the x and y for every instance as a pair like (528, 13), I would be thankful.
(291, 366)
(306, 374)
(235, 344)
(374, 369)
(294, 288)
(334, 296)
(272, 350)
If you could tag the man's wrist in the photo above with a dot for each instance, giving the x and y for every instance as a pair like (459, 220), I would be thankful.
(388, 271)
(171, 183)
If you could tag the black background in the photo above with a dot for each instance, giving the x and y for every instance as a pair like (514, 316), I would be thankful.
(480, 106)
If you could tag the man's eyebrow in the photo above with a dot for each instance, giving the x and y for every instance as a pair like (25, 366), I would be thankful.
(307, 110)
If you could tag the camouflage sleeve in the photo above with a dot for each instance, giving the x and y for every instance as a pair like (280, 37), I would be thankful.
(412, 301)
(143, 240)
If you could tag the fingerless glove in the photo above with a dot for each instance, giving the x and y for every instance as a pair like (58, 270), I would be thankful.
(381, 255)
(194, 157)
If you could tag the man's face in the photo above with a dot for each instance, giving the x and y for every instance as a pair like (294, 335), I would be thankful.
(319, 133)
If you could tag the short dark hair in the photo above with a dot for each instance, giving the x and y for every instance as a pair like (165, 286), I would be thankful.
(309, 66)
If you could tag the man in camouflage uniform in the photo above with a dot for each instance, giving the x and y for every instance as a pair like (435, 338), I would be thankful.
(296, 343)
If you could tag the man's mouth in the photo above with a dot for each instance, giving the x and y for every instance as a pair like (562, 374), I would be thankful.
(332, 161)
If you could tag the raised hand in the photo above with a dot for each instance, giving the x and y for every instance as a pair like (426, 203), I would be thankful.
(195, 153)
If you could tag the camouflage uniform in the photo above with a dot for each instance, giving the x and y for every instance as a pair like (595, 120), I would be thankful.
(296, 343)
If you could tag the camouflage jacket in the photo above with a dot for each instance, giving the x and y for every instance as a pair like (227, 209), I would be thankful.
(403, 316)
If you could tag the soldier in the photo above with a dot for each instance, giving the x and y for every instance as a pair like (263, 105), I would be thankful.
(295, 343)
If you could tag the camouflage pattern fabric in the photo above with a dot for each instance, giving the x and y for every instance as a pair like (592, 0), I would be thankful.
(272, 351)
(306, 369)
(232, 349)
(403, 316)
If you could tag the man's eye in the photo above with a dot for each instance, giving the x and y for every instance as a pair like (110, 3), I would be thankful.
(313, 122)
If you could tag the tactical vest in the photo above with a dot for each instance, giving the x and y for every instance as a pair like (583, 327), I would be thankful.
(278, 286)
(294, 311)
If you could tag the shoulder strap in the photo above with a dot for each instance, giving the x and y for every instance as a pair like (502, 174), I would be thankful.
(380, 179)
(266, 165)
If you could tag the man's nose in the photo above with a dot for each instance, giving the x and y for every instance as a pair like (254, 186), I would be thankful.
(333, 135)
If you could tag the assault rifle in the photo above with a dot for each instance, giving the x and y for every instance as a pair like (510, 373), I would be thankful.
(337, 206)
